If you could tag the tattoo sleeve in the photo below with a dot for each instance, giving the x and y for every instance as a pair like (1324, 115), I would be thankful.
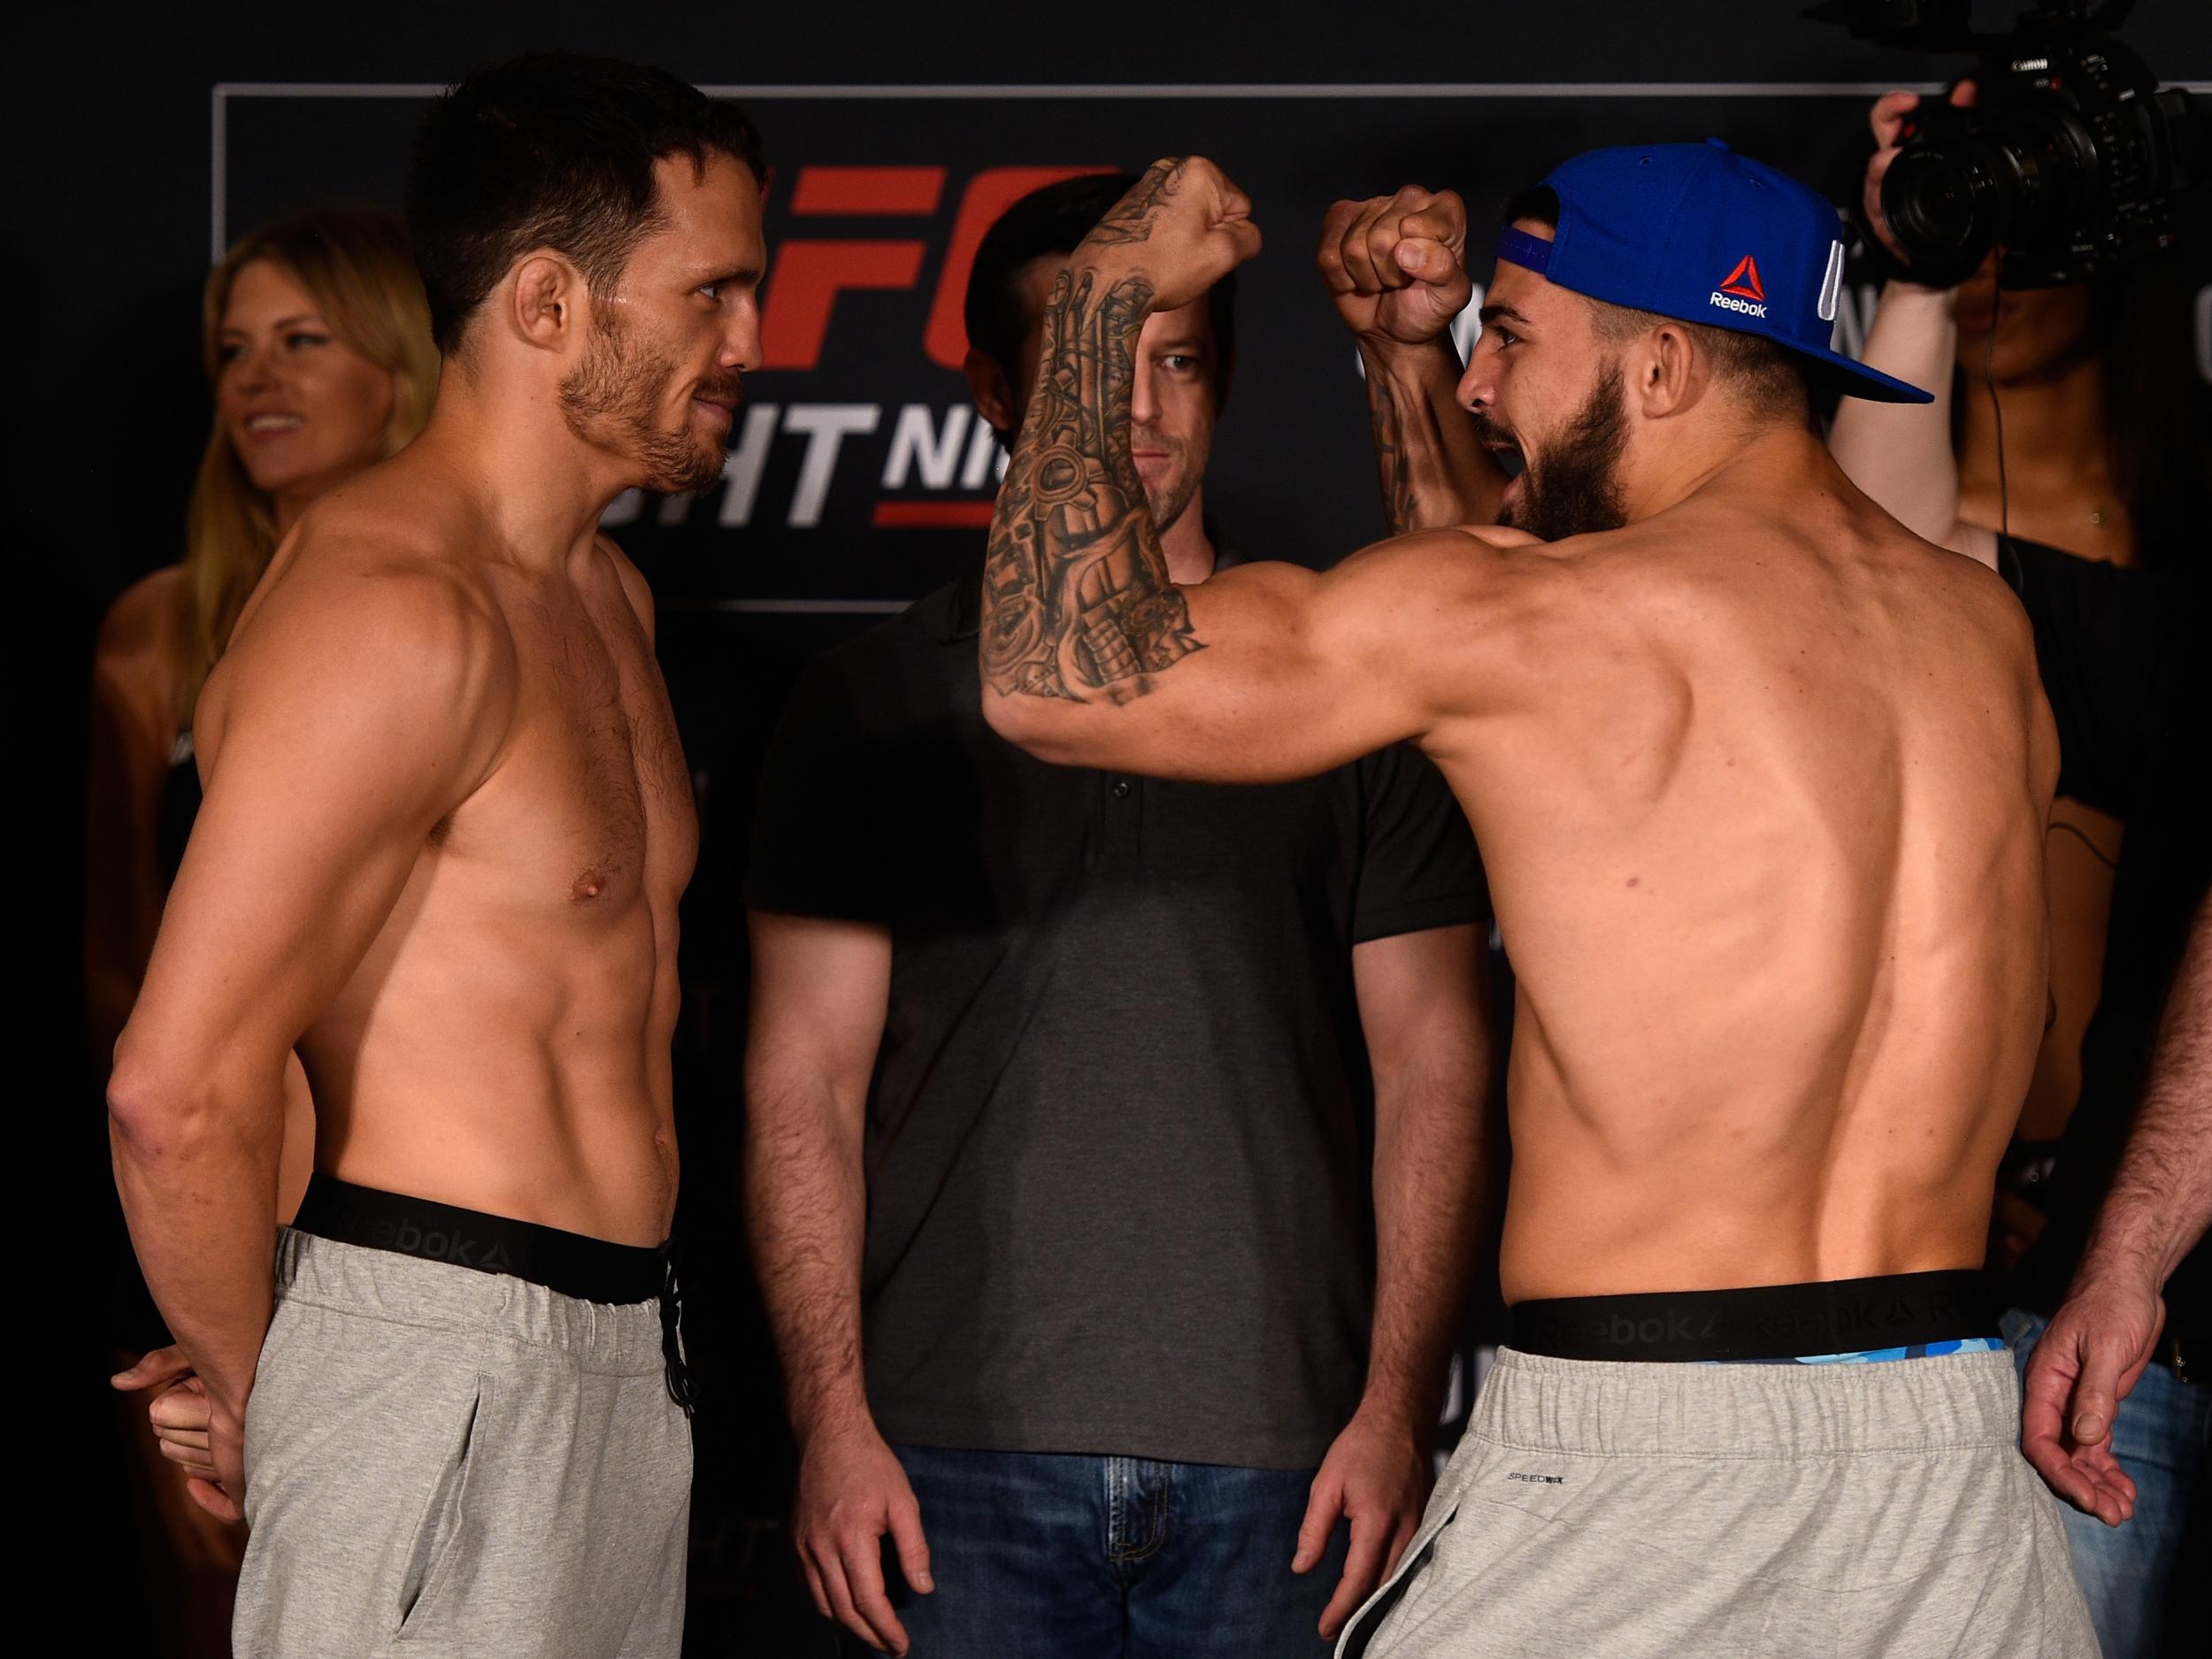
(1077, 600)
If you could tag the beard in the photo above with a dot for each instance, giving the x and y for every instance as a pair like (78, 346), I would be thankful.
(1178, 487)
(1574, 488)
(612, 400)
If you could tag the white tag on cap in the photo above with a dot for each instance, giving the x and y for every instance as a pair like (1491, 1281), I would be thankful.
(1831, 285)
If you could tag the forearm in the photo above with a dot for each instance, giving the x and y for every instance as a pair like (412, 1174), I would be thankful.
(806, 1207)
(1078, 602)
(1900, 453)
(1435, 473)
(198, 1175)
(1428, 1155)
(2161, 1201)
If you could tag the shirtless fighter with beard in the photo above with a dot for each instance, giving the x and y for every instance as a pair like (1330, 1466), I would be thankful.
(1760, 779)
(447, 823)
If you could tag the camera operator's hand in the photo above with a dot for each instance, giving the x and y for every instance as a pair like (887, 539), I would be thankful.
(1396, 266)
(1891, 111)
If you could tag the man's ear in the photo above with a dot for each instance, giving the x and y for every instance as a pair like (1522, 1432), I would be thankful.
(993, 396)
(547, 304)
(1670, 373)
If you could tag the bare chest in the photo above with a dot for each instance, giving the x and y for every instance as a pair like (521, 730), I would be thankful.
(590, 808)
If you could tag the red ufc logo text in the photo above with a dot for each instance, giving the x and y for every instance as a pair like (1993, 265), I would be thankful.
(809, 275)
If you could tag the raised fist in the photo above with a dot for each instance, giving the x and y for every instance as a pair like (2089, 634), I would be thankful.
(1892, 114)
(1396, 265)
(1184, 226)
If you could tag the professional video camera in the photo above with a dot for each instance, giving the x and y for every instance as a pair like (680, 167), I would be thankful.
(2071, 158)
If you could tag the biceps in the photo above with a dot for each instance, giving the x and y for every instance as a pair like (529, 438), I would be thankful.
(1420, 1000)
(1273, 692)
(820, 992)
(281, 893)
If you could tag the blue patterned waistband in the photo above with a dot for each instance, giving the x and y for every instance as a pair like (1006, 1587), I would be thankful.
(1875, 1355)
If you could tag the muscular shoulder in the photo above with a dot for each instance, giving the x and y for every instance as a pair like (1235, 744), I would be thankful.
(1434, 575)
(377, 622)
(1966, 605)
(1477, 614)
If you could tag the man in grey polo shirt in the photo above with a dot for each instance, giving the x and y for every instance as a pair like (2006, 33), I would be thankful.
(1113, 1143)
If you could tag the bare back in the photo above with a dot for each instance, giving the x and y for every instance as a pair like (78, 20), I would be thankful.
(1768, 860)
(505, 1042)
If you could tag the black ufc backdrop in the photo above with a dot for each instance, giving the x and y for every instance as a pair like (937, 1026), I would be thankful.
(858, 478)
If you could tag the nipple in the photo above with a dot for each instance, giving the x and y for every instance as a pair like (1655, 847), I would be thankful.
(588, 886)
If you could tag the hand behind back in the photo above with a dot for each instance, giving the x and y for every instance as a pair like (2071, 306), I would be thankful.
(208, 1446)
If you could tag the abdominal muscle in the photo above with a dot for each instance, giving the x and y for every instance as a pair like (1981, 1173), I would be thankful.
(502, 1064)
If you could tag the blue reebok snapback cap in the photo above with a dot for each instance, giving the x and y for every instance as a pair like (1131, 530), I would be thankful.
(1698, 232)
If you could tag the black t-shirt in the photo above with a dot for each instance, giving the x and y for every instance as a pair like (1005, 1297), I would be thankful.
(2126, 657)
(1118, 1143)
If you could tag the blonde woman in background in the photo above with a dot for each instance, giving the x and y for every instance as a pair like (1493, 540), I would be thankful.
(317, 341)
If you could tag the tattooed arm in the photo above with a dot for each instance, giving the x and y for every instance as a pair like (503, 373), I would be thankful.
(1395, 266)
(1092, 656)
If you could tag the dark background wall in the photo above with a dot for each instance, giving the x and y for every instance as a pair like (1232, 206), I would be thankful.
(134, 147)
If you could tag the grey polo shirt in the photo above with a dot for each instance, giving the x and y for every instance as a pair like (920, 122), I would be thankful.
(1119, 1130)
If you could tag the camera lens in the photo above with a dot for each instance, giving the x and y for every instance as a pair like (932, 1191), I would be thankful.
(1934, 202)
(1945, 208)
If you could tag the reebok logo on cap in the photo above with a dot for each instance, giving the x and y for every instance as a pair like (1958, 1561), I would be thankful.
(1740, 285)
(1744, 279)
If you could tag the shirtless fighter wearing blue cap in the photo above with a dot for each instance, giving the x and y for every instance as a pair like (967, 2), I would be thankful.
(1760, 779)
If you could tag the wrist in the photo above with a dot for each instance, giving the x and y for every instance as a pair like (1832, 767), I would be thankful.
(1391, 1413)
(832, 1415)
(1106, 264)
(2126, 1257)
(1903, 290)
(1404, 361)
(226, 1398)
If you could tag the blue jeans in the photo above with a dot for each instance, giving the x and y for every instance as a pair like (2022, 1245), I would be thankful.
(1040, 1556)
(2160, 1436)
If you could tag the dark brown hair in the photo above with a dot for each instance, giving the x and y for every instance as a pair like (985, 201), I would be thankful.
(551, 151)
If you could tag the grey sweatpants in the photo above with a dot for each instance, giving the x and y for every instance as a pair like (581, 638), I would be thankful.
(1611, 1510)
(441, 1461)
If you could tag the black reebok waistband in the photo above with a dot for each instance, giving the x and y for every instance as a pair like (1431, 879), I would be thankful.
(1760, 1322)
(568, 1264)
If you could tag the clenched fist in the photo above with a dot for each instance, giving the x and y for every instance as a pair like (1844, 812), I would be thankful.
(1396, 265)
(1183, 226)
